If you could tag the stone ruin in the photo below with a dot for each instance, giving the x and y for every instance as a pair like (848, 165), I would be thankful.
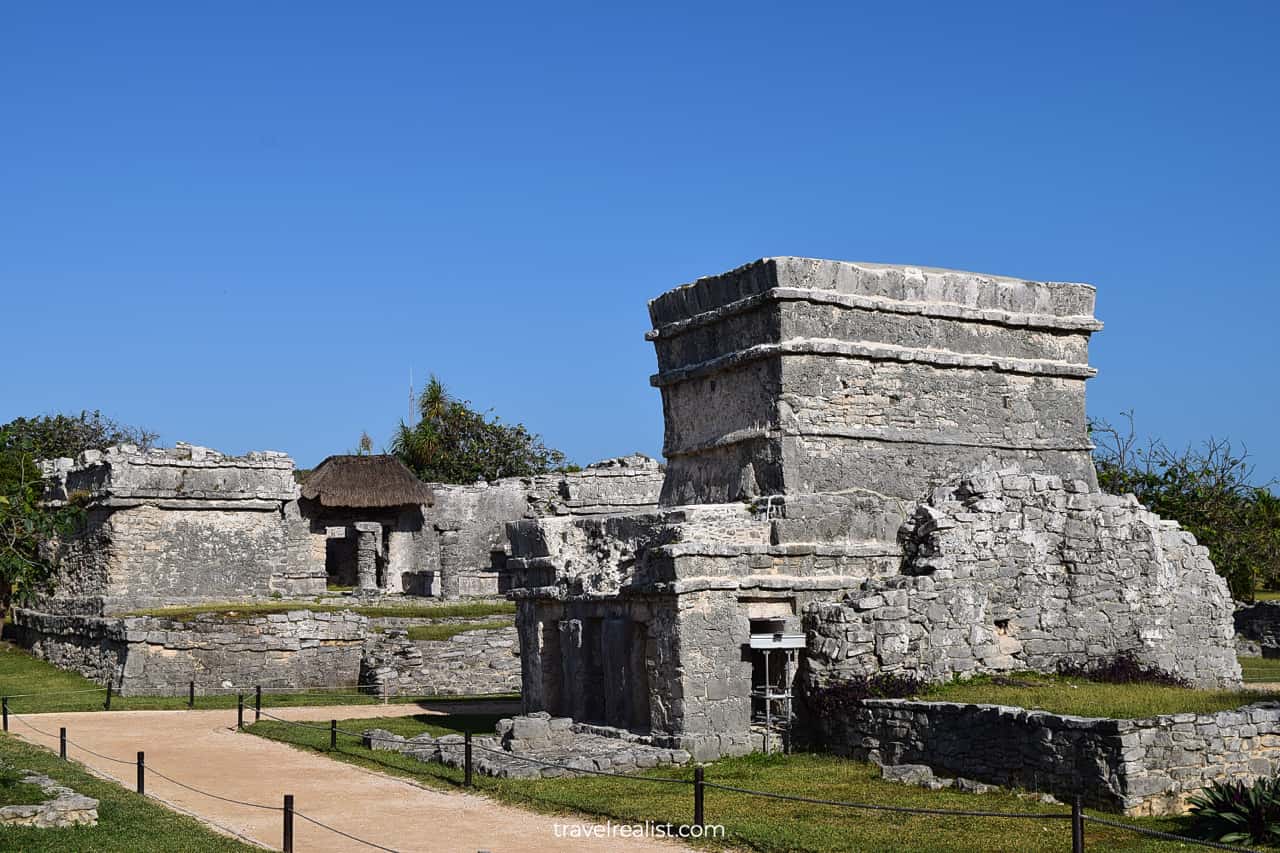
(887, 467)
(188, 524)
(185, 524)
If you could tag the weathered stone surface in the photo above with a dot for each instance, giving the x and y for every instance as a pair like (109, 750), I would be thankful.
(469, 523)
(795, 375)
(1139, 767)
(171, 526)
(151, 654)
(468, 663)
(538, 746)
(1008, 572)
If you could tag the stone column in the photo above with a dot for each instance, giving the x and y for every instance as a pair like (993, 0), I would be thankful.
(368, 543)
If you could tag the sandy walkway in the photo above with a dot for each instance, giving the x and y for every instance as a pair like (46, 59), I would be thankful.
(202, 749)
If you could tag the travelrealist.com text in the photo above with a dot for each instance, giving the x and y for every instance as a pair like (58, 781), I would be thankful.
(647, 829)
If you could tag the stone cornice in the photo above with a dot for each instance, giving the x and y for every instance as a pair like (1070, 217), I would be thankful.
(875, 352)
(939, 310)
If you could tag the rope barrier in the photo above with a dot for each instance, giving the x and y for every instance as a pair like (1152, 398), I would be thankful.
(1152, 833)
(884, 808)
(297, 813)
(70, 742)
(1168, 836)
(54, 693)
(150, 769)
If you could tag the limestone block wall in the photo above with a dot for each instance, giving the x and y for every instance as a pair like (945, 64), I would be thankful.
(1006, 571)
(1139, 767)
(469, 523)
(793, 375)
(169, 526)
(470, 663)
(148, 654)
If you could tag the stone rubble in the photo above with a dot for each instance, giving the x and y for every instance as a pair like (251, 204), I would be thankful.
(63, 808)
(536, 746)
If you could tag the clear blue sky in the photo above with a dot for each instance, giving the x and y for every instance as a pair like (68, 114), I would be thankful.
(243, 226)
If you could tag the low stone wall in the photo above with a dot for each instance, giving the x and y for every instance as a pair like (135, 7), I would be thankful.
(470, 663)
(1139, 767)
(146, 653)
(1258, 627)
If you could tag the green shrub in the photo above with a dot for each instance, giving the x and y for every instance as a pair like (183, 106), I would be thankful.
(830, 701)
(1123, 668)
(1238, 812)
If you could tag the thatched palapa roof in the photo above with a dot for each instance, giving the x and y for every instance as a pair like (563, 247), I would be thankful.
(365, 481)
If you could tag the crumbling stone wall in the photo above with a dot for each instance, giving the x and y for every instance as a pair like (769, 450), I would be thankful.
(300, 648)
(1139, 767)
(469, 523)
(470, 663)
(1008, 571)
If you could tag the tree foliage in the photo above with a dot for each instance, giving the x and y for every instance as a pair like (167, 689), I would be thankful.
(1209, 489)
(25, 523)
(453, 443)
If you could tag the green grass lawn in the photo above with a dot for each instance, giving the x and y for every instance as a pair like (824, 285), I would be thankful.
(247, 609)
(126, 821)
(22, 794)
(20, 673)
(768, 826)
(450, 629)
(1061, 695)
(1260, 669)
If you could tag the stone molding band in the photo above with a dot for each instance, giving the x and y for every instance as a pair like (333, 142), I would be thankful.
(897, 437)
(874, 352)
(940, 310)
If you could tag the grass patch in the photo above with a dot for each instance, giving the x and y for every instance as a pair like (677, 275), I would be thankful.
(1260, 669)
(249, 609)
(1062, 695)
(445, 631)
(126, 821)
(767, 826)
(1266, 595)
(22, 794)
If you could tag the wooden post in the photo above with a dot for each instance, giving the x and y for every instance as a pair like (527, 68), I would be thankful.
(239, 710)
(288, 823)
(142, 775)
(699, 811)
(107, 706)
(191, 694)
(1077, 826)
(333, 735)
(62, 743)
(5, 701)
(257, 704)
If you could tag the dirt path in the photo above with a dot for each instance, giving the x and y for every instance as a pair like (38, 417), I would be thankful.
(202, 749)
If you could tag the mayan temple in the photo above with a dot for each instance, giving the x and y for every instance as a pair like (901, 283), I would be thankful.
(870, 468)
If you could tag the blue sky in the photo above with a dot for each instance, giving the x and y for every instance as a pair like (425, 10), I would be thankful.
(243, 227)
